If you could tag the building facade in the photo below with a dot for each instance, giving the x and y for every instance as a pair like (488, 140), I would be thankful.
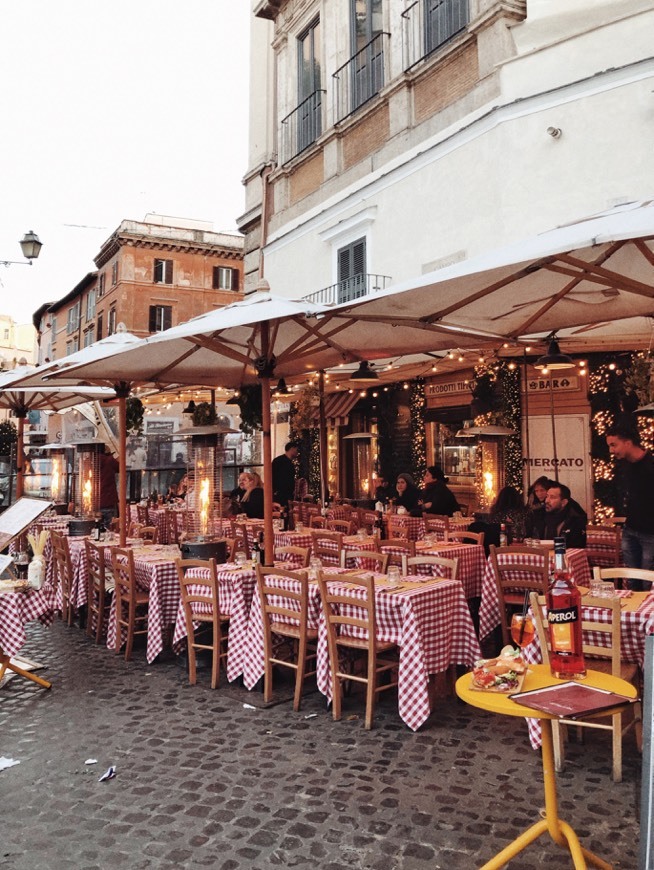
(17, 342)
(149, 276)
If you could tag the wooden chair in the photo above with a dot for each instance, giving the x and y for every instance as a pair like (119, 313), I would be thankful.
(135, 618)
(296, 557)
(398, 527)
(604, 658)
(433, 566)
(367, 560)
(285, 619)
(622, 575)
(346, 527)
(201, 604)
(114, 525)
(366, 519)
(438, 524)
(465, 537)
(603, 546)
(514, 577)
(230, 549)
(176, 525)
(407, 548)
(134, 529)
(63, 574)
(99, 582)
(316, 521)
(142, 514)
(240, 535)
(327, 546)
(149, 534)
(344, 615)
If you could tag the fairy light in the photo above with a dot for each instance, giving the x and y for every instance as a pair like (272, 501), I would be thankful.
(417, 428)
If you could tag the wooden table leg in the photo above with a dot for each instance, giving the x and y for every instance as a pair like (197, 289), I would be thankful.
(6, 665)
(559, 831)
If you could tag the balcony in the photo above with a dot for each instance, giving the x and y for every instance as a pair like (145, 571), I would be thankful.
(358, 80)
(302, 126)
(430, 24)
(350, 289)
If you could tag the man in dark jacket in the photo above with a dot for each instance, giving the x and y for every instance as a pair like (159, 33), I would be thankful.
(562, 517)
(283, 474)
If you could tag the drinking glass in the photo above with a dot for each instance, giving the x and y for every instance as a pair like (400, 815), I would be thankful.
(522, 629)
(315, 567)
(299, 527)
(394, 575)
(240, 558)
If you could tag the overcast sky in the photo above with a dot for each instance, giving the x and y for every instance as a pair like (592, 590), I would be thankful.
(111, 109)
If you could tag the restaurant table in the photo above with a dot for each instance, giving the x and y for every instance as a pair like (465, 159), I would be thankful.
(439, 527)
(156, 573)
(17, 609)
(472, 562)
(236, 587)
(489, 609)
(561, 832)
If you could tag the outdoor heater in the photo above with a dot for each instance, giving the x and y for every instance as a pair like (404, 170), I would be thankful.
(364, 460)
(58, 455)
(87, 487)
(490, 461)
(207, 457)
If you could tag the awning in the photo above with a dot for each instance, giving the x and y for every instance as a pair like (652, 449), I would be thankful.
(337, 407)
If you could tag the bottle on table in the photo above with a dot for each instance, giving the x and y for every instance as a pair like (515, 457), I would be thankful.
(378, 528)
(283, 515)
(504, 538)
(564, 620)
(258, 550)
(102, 529)
(95, 534)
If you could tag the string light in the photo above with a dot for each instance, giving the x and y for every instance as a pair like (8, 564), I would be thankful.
(417, 428)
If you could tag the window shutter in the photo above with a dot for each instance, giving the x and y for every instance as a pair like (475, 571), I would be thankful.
(235, 277)
(215, 281)
(359, 257)
(167, 316)
(99, 326)
(153, 318)
(343, 264)
(169, 271)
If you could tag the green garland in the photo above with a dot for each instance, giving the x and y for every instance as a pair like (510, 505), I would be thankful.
(417, 428)
(498, 385)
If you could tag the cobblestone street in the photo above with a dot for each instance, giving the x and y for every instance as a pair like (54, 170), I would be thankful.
(203, 781)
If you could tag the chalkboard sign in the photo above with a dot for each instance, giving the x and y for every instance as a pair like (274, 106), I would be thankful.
(19, 517)
(646, 858)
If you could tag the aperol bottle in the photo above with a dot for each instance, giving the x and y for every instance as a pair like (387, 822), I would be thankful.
(564, 620)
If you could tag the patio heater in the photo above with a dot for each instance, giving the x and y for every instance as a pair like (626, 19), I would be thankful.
(490, 462)
(364, 458)
(58, 455)
(87, 487)
(207, 457)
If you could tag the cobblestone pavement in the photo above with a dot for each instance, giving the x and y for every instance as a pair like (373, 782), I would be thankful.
(204, 782)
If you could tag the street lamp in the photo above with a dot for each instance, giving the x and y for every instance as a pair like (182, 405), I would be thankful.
(31, 246)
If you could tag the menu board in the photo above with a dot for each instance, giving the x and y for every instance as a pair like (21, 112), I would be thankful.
(19, 516)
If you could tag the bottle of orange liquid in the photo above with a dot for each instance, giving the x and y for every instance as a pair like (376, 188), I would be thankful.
(564, 620)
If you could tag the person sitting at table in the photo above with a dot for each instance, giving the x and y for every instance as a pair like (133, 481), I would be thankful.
(536, 494)
(562, 517)
(384, 492)
(252, 501)
(237, 494)
(509, 509)
(407, 493)
(437, 497)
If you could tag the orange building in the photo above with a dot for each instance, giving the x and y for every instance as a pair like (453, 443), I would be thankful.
(150, 275)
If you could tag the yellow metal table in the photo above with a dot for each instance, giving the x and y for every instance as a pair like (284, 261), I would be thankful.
(539, 676)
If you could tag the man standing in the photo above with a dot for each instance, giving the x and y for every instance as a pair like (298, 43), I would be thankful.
(108, 493)
(562, 517)
(283, 474)
(636, 469)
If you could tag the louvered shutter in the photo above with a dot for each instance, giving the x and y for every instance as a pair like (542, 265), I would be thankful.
(153, 319)
(235, 277)
(167, 316)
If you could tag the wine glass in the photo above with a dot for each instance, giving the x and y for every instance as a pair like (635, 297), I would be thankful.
(523, 629)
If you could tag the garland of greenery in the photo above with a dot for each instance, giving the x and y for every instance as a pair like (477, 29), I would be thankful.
(134, 411)
(417, 429)
(8, 437)
(249, 403)
(496, 392)
(204, 414)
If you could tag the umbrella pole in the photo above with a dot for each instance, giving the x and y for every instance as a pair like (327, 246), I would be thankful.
(20, 455)
(526, 453)
(323, 438)
(269, 543)
(122, 392)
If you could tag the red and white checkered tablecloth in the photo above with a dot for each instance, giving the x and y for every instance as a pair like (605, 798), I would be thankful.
(600, 547)
(19, 608)
(354, 543)
(156, 572)
(635, 625)
(236, 588)
(415, 525)
(472, 563)
(433, 629)
(489, 610)
(438, 527)
(47, 521)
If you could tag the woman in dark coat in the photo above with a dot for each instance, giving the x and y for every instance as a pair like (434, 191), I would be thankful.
(408, 494)
(437, 497)
(252, 500)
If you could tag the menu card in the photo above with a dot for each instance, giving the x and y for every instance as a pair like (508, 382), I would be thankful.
(571, 700)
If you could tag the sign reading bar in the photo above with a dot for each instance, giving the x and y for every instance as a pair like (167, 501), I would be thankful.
(569, 382)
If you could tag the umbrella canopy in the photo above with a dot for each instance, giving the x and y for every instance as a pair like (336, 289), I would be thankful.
(599, 269)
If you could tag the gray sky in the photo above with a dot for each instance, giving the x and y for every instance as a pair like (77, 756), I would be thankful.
(112, 109)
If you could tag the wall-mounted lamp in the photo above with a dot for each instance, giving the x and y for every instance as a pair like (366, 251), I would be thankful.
(31, 246)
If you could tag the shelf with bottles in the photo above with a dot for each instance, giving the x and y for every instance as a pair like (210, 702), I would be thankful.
(459, 460)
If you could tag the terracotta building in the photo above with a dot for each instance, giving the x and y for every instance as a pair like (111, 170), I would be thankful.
(149, 276)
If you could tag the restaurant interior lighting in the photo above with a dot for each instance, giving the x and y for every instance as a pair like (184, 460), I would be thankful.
(190, 408)
(281, 389)
(554, 360)
(364, 373)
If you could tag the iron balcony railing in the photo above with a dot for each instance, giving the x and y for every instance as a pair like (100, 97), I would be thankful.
(350, 289)
(358, 80)
(301, 127)
(429, 24)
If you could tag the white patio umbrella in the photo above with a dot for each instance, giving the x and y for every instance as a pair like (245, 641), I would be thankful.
(49, 397)
(256, 339)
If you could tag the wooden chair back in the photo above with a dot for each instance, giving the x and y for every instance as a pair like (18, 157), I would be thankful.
(465, 537)
(317, 522)
(365, 560)
(297, 557)
(603, 545)
(230, 549)
(284, 612)
(351, 625)
(622, 574)
(437, 524)
(366, 519)
(240, 535)
(201, 604)
(433, 566)
(176, 525)
(515, 576)
(398, 526)
(149, 534)
(128, 596)
(398, 551)
(63, 574)
(96, 589)
(327, 546)
(142, 514)
(346, 527)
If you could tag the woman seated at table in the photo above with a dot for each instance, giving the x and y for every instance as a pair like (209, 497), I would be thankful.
(237, 494)
(437, 497)
(408, 494)
(252, 500)
(510, 510)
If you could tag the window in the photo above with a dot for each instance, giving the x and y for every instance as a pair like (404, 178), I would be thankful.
(161, 317)
(5, 334)
(114, 273)
(352, 271)
(225, 278)
(73, 318)
(111, 321)
(90, 305)
(100, 318)
(100, 285)
(163, 271)
(72, 346)
(443, 19)
(367, 71)
(309, 93)
(88, 337)
(53, 326)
